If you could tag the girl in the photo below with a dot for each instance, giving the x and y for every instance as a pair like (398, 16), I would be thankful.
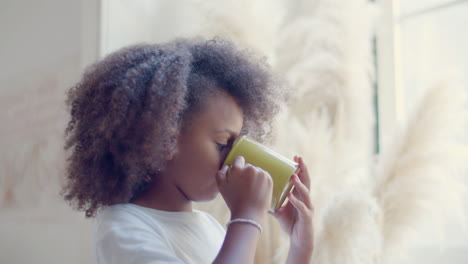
(150, 128)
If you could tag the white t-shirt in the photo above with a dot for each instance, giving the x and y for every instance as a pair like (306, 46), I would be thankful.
(132, 234)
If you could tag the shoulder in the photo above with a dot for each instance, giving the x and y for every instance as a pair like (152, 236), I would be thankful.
(123, 217)
(126, 224)
(126, 234)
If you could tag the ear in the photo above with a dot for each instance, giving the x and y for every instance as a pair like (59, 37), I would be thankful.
(170, 156)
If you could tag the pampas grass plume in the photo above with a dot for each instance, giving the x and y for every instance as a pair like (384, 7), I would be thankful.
(418, 184)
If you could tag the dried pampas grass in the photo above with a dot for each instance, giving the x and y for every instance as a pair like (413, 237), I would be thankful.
(418, 176)
(351, 232)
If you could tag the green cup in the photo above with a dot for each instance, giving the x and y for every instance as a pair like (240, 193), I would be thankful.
(279, 167)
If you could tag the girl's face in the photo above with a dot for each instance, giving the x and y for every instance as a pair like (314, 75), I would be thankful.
(203, 146)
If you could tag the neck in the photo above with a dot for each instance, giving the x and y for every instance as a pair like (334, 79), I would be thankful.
(165, 196)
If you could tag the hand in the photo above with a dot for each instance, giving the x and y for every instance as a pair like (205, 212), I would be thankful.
(246, 189)
(295, 217)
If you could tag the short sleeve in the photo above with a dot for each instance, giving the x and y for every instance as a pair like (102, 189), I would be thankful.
(133, 245)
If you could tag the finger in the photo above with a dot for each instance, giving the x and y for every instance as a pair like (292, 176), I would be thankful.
(285, 210)
(259, 168)
(274, 214)
(262, 171)
(302, 190)
(239, 162)
(304, 173)
(296, 159)
(298, 204)
(278, 213)
(221, 175)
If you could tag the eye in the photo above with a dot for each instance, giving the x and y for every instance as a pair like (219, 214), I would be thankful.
(222, 147)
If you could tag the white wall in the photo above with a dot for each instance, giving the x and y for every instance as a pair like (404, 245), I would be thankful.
(124, 23)
(43, 48)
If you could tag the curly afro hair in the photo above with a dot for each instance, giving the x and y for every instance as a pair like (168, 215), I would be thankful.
(128, 109)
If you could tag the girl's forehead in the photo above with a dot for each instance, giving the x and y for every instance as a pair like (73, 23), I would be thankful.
(223, 112)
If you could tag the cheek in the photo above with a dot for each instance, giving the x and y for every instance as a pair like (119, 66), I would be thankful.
(212, 159)
(202, 160)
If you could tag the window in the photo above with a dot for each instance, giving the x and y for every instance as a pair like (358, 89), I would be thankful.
(419, 43)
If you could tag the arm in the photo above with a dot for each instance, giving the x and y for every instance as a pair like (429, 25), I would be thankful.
(247, 191)
(132, 245)
(297, 256)
(239, 245)
(295, 218)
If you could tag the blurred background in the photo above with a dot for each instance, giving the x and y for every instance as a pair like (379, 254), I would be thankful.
(46, 44)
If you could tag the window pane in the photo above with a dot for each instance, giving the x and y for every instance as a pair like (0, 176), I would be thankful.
(410, 6)
(432, 45)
